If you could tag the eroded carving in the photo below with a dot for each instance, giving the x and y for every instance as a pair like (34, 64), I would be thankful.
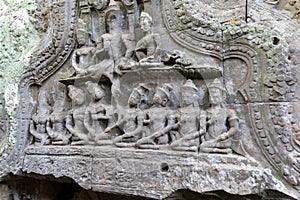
(188, 138)
(97, 114)
(160, 119)
(39, 120)
(56, 125)
(75, 119)
(221, 124)
(147, 49)
(129, 87)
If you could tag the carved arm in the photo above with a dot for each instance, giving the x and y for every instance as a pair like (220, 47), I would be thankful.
(234, 127)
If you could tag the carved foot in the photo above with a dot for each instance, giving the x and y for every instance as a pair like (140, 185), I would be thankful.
(185, 148)
(62, 141)
(104, 142)
(117, 139)
(222, 151)
(102, 136)
(43, 141)
(125, 145)
(78, 143)
(215, 150)
(145, 140)
(148, 146)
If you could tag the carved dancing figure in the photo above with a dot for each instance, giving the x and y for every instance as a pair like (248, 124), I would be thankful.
(161, 119)
(222, 123)
(97, 113)
(187, 138)
(39, 120)
(75, 119)
(148, 48)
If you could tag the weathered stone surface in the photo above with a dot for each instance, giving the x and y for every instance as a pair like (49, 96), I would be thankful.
(155, 174)
(158, 99)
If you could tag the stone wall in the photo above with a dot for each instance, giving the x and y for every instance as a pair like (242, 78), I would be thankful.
(151, 99)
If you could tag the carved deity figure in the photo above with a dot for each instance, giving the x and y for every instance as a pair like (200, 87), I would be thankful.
(187, 138)
(161, 119)
(75, 119)
(39, 120)
(56, 125)
(133, 119)
(148, 48)
(111, 47)
(82, 56)
(97, 113)
(221, 123)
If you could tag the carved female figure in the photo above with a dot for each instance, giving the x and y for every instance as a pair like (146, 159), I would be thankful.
(75, 120)
(56, 129)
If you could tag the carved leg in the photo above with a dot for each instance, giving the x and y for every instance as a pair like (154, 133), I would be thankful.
(44, 140)
(147, 146)
(103, 139)
(146, 140)
(183, 144)
(185, 148)
(212, 146)
(125, 136)
(83, 138)
(223, 151)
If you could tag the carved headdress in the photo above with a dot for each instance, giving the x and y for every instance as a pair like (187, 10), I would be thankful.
(74, 92)
(189, 86)
(166, 89)
(190, 89)
(217, 84)
(146, 16)
(81, 27)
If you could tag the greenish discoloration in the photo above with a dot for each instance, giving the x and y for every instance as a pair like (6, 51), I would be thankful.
(18, 37)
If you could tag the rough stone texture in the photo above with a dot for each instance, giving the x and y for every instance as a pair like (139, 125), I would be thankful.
(154, 174)
(181, 99)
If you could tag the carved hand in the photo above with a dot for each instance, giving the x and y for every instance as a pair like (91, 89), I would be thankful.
(223, 136)
(145, 140)
(31, 128)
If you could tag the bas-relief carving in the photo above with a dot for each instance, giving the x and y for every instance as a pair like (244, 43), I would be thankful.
(124, 88)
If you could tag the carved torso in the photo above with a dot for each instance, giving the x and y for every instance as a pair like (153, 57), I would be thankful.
(188, 120)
